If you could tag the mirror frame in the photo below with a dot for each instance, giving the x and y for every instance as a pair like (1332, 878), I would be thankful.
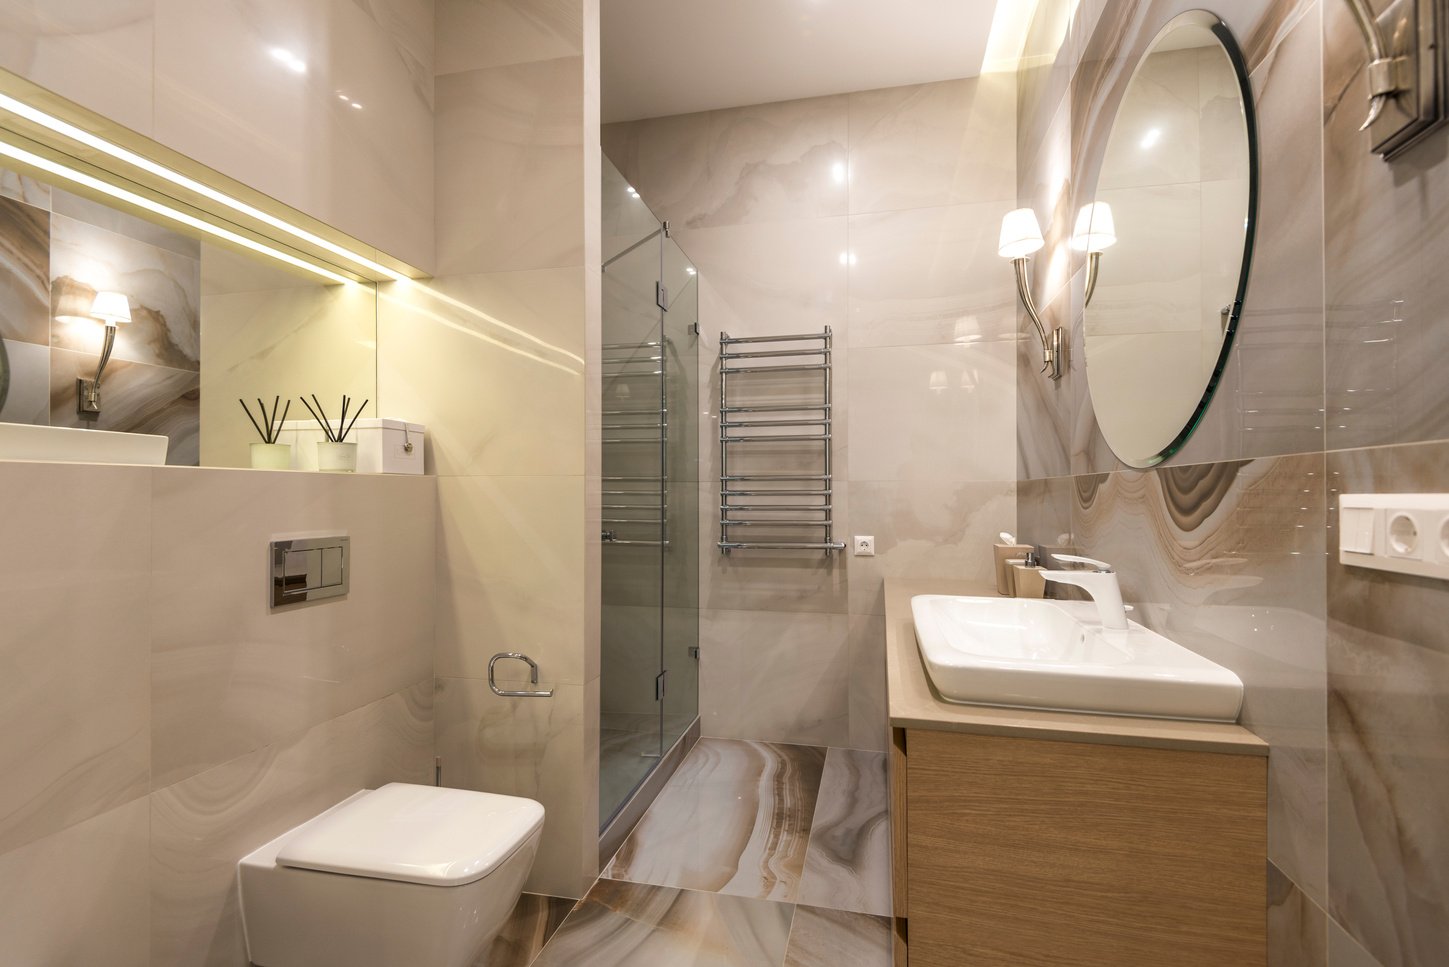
(1230, 46)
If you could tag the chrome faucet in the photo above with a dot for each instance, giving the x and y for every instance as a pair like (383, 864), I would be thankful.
(1100, 582)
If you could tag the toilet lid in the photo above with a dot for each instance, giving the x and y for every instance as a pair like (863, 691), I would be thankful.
(416, 834)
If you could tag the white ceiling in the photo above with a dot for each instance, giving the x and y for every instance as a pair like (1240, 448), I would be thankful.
(665, 57)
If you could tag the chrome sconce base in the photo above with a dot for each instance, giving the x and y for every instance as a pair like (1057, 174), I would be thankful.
(1053, 343)
(88, 391)
(1407, 72)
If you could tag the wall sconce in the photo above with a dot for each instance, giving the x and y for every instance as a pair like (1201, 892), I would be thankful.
(1404, 71)
(1020, 237)
(111, 309)
(1094, 233)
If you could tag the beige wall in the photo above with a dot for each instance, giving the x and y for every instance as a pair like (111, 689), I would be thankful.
(876, 214)
(497, 356)
(1231, 547)
(159, 722)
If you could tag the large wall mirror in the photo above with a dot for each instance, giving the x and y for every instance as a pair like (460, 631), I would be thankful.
(198, 291)
(1169, 237)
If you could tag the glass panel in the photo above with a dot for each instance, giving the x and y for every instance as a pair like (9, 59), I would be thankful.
(634, 496)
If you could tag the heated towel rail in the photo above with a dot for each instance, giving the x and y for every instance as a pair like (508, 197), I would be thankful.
(788, 510)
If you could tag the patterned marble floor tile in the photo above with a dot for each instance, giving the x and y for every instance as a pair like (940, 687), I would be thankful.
(632, 925)
(835, 938)
(734, 819)
(532, 924)
(848, 862)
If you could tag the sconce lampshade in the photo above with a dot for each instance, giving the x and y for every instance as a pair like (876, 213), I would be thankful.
(111, 308)
(1020, 234)
(1095, 231)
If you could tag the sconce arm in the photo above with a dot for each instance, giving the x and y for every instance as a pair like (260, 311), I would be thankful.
(1382, 73)
(1051, 344)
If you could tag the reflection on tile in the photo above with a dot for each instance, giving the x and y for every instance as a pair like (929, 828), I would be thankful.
(774, 675)
(1388, 730)
(1344, 951)
(74, 703)
(847, 864)
(629, 925)
(933, 144)
(135, 398)
(24, 383)
(1297, 927)
(834, 938)
(532, 924)
(201, 826)
(120, 222)
(24, 273)
(734, 819)
(491, 33)
(24, 188)
(227, 674)
(80, 896)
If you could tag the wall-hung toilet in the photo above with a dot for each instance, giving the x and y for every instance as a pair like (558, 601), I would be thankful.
(400, 876)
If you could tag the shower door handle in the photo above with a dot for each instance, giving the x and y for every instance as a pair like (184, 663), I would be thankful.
(517, 693)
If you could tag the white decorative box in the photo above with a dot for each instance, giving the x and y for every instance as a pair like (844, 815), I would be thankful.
(383, 445)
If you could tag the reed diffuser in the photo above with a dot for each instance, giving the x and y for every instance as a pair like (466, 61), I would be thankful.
(269, 454)
(336, 454)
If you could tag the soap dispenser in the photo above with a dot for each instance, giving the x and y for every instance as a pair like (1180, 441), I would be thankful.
(1007, 551)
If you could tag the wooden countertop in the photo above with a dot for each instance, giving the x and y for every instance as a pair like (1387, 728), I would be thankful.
(915, 704)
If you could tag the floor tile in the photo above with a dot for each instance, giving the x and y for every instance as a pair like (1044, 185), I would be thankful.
(532, 924)
(634, 925)
(734, 819)
(835, 938)
(848, 861)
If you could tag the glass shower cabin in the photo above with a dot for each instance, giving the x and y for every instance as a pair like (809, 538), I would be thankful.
(649, 680)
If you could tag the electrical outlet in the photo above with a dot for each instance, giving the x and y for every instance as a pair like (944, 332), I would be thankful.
(1407, 533)
(864, 546)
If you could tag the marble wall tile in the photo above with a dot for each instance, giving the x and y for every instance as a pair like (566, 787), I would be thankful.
(369, 170)
(847, 863)
(509, 550)
(835, 938)
(75, 698)
(1388, 730)
(925, 145)
(24, 188)
(756, 798)
(513, 147)
(227, 674)
(1297, 927)
(154, 233)
(135, 398)
(26, 376)
(95, 870)
(1344, 951)
(1224, 559)
(933, 413)
(24, 273)
(926, 529)
(869, 715)
(776, 676)
(201, 826)
(533, 922)
(668, 158)
(473, 34)
(621, 924)
(493, 365)
(527, 747)
(929, 276)
(98, 54)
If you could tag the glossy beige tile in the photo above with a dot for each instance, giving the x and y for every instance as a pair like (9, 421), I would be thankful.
(1344, 951)
(1297, 927)
(734, 819)
(75, 704)
(869, 717)
(473, 34)
(513, 146)
(533, 747)
(493, 365)
(201, 826)
(23, 188)
(933, 144)
(775, 676)
(24, 273)
(836, 938)
(228, 675)
(80, 896)
(847, 864)
(511, 573)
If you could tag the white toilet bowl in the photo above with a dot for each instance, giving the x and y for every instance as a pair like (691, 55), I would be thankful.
(402, 875)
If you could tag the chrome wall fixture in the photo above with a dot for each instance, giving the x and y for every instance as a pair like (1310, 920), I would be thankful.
(309, 569)
(517, 692)
(110, 309)
(1020, 237)
(1406, 71)
(1094, 233)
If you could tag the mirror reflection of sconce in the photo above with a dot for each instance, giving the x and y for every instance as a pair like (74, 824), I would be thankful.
(1020, 237)
(1094, 233)
(1404, 71)
(110, 309)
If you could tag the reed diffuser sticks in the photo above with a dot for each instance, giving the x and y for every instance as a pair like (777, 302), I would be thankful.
(274, 425)
(343, 428)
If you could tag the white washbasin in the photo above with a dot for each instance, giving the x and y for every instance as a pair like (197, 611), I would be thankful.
(64, 444)
(1030, 653)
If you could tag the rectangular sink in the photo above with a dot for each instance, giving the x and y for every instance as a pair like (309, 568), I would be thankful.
(63, 444)
(1031, 653)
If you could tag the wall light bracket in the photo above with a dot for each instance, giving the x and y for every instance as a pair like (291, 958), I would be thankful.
(1406, 72)
(1053, 350)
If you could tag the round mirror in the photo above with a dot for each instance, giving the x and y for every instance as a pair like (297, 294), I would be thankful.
(1169, 236)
